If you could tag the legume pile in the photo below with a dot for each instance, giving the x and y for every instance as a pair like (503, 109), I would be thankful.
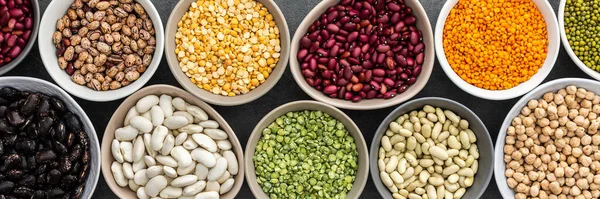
(16, 22)
(172, 149)
(306, 154)
(495, 45)
(428, 153)
(104, 45)
(44, 150)
(551, 148)
(227, 47)
(363, 49)
(581, 27)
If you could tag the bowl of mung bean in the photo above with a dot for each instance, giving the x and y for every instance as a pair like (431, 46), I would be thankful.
(432, 147)
(365, 54)
(547, 144)
(101, 50)
(306, 149)
(497, 50)
(580, 35)
(227, 52)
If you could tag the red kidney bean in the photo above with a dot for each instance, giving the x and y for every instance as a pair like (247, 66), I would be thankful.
(363, 49)
(16, 21)
(14, 53)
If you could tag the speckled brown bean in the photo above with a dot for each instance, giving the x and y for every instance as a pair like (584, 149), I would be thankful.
(132, 75)
(78, 79)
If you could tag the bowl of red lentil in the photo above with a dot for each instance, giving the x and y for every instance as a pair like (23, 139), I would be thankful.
(498, 50)
(228, 53)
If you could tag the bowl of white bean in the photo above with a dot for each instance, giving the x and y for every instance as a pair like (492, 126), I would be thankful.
(164, 142)
(431, 147)
(547, 144)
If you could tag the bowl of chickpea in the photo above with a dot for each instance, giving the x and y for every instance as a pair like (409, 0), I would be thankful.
(228, 53)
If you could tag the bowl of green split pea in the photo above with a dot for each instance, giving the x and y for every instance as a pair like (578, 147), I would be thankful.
(306, 149)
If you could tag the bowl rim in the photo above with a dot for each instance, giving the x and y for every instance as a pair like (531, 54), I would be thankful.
(422, 80)
(499, 165)
(374, 147)
(563, 36)
(265, 87)
(173, 92)
(360, 142)
(35, 5)
(49, 58)
(522, 88)
(85, 120)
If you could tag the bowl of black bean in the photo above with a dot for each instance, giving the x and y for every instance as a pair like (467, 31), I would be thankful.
(48, 145)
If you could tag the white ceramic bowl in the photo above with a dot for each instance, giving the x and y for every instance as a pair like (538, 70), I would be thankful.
(42, 86)
(365, 104)
(553, 47)
(54, 11)
(565, 42)
(537, 93)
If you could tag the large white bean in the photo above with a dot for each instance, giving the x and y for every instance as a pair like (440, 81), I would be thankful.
(213, 186)
(186, 170)
(197, 112)
(141, 123)
(158, 115)
(224, 144)
(194, 189)
(153, 171)
(175, 122)
(140, 177)
(133, 186)
(148, 144)
(386, 179)
(179, 104)
(204, 157)
(147, 115)
(149, 160)
(438, 152)
(127, 151)
(126, 133)
(232, 163)
(208, 195)
(127, 170)
(191, 129)
(141, 193)
(187, 116)
(156, 185)
(138, 149)
(218, 169)
(168, 145)
(166, 160)
(183, 181)
(216, 134)
(139, 165)
(117, 171)
(170, 171)
(201, 171)
(132, 112)
(211, 124)
(158, 137)
(171, 192)
(224, 177)
(146, 103)
(182, 137)
(183, 157)
(205, 142)
(190, 144)
(226, 186)
(115, 148)
(165, 105)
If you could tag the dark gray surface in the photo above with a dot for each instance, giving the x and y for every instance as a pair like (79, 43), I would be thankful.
(243, 118)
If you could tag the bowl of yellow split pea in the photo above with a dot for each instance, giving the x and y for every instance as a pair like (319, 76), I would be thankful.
(227, 52)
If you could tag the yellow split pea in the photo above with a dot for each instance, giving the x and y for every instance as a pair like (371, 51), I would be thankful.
(227, 47)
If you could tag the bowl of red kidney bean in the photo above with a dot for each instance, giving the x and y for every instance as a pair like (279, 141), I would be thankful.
(363, 54)
(19, 22)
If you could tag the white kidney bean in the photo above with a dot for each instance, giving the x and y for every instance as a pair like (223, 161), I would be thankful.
(169, 171)
(158, 115)
(148, 144)
(158, 137)
(175, 122)
(127, 151)
(179, 104)
(208, 195)
(191, 128)
(224, 144)
(182, 137)
(232, 163)
(139, 165)
(154, 171)
(149, 160)
(212, 186)
(205, 142)
(204, 157)
(197, 112)
(224, 177)
(166, 160)
(190, 144)
(155, 185)
(138, 149)
(187, 116)
(186, 170)
(211, 124)
(201, 172)
(146, 103)
(141, 193)
(117, 171)
(132, 112)
(216, 134)
(141, 123)
(140, 177)
(217, 170)
(168, 145)
(165, 104)
(183, 181)
(115, 147)
(171, 192)
(226, 186)
(147, 115)
(194, 189)
(126, 133)
(127, 170)
(183, 157)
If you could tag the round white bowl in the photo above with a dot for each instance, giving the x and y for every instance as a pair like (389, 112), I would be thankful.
(537, 93)
(365, 104)
(563, 36)
(553, 47)
(42, 86)
(54, 11)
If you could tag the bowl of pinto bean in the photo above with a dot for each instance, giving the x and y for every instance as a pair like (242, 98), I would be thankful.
(19, 20)
(363, 54)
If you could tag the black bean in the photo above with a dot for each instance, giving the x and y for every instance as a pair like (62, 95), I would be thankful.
(45, 156)
(25, 146)
(31, 162)
(9, 93)
(13, 160)
(23, 192)
(70, 140)
(16, 105)
(54, 192)
(1, 147)
(14, 174)
(6, 127)
(75, 152)
(59, 148)
(65, 165)
(30, 104)
(3, 109)
(54, 176)
(69, 180)
(45, 124)
(60, 131)
(15, 118)
(72, 122)
(57, 104)
(28, 180)
(6, 187)
(44, 108)
(39, 194)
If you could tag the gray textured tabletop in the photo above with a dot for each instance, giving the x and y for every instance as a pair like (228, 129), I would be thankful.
(243, 118)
